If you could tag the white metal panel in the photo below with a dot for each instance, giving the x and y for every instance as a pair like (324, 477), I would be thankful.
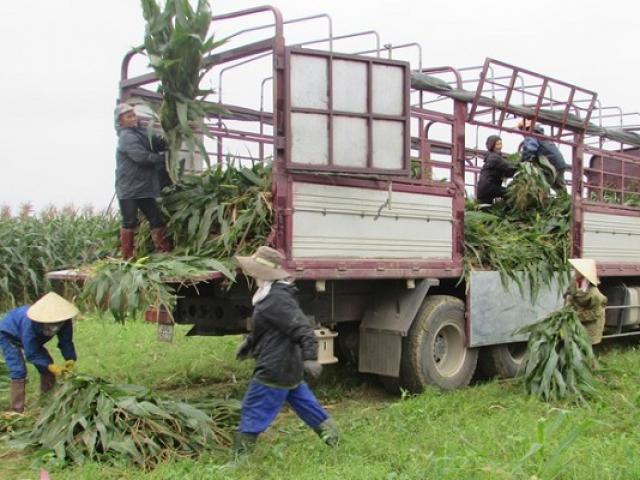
(349, 83)
(350, 222)
(387, 84)
(309, 80)
(611, 238)
(309, 139)
(349, 141)
(388, 144)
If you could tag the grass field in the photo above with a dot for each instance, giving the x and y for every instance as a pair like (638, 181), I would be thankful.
(488, 431)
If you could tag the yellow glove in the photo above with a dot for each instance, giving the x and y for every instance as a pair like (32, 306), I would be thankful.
(69, 365)
(55, 369)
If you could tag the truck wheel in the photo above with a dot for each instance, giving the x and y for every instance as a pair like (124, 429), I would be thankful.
(434, 352)
(503, 361)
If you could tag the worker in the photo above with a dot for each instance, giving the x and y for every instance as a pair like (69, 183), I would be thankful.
(26, 329)
(533, 147)
(139, 161)
(585, 298)
(284, 346)
(494, 170)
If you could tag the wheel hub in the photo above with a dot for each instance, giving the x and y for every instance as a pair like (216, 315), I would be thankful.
(448, 350)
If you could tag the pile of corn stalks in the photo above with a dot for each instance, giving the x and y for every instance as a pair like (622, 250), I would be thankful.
(559, 360)
(525, 236)
(89, 419)
(213, 215)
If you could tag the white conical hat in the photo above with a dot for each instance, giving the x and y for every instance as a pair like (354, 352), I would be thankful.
(586, 267)
(52, 308)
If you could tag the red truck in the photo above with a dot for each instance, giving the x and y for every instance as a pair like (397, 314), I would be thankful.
(372, 159)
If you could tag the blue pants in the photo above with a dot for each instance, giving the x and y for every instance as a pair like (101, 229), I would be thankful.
(13, 357)
(261, 404)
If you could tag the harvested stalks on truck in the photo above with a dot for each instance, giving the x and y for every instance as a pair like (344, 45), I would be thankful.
(90, 419)
(526, 235)
(220, 212)
(559, 360)
(176, 43)
(128, 288)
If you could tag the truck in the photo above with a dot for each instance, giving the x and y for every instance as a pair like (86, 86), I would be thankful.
(373, 155)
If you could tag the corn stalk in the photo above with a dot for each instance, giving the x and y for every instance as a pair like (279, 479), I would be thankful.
(559, 360)
(90, 419)
(176, 42)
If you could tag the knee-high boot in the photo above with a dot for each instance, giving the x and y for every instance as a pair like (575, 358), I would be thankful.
(18, 395)
(126, 242)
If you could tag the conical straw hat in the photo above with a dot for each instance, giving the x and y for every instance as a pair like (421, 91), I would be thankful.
(586, 267)
(52, 308)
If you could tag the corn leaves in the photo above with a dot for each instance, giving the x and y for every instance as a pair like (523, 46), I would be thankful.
(176, 42)
(559, 359)
(90, 419)
(128, 288)
(525, 236)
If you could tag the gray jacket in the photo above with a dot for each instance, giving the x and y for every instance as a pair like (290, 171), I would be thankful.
(138, 162)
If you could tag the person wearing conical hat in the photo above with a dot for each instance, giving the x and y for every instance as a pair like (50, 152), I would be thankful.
(284, 347)
(586, 299)
(23, 334)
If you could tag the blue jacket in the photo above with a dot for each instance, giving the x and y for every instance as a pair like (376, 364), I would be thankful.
(532, 147)
(19, 332)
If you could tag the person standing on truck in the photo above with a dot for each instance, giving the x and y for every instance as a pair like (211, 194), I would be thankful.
(23, 333)
(494, 170)
(139, 163)
(586, 299)
(533, 147)
(284, 346)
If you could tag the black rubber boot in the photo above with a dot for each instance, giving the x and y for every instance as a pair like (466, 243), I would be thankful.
(328, 432)
(243, 445)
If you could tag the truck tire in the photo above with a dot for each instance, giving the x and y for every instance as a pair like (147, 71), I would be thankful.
(503, 361)
(434, 352)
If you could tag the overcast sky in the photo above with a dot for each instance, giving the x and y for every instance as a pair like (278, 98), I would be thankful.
(61, 62)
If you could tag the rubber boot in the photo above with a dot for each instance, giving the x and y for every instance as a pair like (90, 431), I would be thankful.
(243, 445)
(328, 432)
(17, 395)
(47, 382)
(126, 242)
(160, 241)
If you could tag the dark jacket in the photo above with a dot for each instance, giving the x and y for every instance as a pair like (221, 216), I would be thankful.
(281, 338)
(138, 164)
(19, 332)
(494, 170)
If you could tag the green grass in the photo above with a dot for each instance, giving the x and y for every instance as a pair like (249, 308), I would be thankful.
(488, 431)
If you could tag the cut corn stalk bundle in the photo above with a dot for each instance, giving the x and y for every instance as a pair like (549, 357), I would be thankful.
(128, 288)
(559, 359)
(525, 236)
(90, 419)
(176, 43)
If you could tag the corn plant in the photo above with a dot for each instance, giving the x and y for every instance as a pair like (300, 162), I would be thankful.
(33, 244)
(176, 42)
(559, 360)
(90, 419)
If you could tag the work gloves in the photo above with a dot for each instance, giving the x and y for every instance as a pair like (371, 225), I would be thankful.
(312, 368)
(58, 370)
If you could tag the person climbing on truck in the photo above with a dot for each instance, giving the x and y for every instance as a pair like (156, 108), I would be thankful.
(284, 346)
(533, 147)
(586, 299)
(23, 333)
(493, 172)
(138, 163)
